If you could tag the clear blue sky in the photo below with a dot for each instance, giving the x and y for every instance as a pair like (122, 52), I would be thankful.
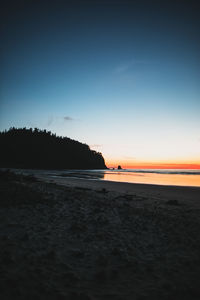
(121, 76)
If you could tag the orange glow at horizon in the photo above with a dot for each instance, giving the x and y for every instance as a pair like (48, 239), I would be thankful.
(147, 165)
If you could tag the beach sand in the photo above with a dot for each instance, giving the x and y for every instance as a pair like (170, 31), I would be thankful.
(67, 238)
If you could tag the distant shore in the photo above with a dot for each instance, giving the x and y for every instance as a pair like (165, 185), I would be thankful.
(80, 239)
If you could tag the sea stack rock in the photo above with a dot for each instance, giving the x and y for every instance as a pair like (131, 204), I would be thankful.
(119, 167)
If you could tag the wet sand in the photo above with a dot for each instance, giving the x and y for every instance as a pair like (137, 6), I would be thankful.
(166, 192)
(96, 240)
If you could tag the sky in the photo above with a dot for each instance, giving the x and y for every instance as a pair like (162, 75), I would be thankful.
(121, 76)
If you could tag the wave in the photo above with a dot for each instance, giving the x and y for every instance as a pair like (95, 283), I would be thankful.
(101, 173)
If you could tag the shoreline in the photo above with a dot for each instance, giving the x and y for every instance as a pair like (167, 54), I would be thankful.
(147, 178)
(165, 191)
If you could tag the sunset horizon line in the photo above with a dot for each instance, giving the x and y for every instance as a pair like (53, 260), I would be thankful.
(192, 166)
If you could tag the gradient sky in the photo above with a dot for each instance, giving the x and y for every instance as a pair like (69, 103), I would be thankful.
(121, 76)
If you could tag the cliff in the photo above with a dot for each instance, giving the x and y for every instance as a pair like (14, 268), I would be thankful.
(40, 149)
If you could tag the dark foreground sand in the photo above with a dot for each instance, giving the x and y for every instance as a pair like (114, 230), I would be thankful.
(98, 240)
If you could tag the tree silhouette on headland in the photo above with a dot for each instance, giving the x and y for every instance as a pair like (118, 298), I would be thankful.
(40, 149)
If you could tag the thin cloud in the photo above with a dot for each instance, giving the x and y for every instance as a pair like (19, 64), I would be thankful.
(124, 67)
(67, 118)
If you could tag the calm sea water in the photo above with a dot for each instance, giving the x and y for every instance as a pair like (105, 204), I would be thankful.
(148, 176)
